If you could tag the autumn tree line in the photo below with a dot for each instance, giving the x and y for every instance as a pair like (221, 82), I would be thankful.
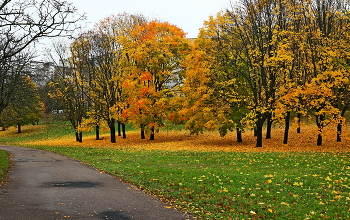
(254, 64)
(260, 61)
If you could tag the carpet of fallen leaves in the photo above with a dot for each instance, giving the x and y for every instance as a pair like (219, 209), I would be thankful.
(211, 141)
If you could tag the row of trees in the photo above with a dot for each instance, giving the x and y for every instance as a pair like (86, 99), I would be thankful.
(118, 72)
(264, 59)
(22, 25)
(251, 65)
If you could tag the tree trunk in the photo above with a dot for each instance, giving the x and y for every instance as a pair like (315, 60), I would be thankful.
(319, 122)
(269, 126)
(259, 136)
(319, 139)
(79, 136)
(151, 137)
(239, 135)
(340, 125)
(299, 122)
(19, 130)
(339, 130)
(97, 131)
(111, 125)
(124, 131)
(119, 129)
(143, 132)
(286, 129)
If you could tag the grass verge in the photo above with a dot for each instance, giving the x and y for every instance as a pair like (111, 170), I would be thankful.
(4, 164)
(218, 184)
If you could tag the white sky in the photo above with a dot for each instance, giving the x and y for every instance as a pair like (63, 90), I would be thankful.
(186, 14)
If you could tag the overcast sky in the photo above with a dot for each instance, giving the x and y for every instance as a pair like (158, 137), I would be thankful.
(186, 14)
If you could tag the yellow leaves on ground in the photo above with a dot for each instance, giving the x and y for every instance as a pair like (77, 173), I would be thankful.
(209, 141)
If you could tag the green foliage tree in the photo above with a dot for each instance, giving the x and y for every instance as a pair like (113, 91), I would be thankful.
(25, 106)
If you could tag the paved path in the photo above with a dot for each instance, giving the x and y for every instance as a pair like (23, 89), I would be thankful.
(44, 185)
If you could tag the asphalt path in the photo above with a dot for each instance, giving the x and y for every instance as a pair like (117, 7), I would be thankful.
(44, 185)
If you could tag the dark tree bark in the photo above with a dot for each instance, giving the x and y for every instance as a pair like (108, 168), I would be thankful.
(97, 131)
(340, 124)
(79, 136)
(269, 126)
(19, 130)
(286, 129)
(299, 123)
(123, 130)
(319, 139)
(151, 137)
(239, 135)
(143, 132)
(259, 136)
(319, 122)
(111, 125)
(259, 128)
(119, 129)
(339, 131)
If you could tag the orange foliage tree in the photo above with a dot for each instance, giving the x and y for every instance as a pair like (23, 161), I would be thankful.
(154, 50)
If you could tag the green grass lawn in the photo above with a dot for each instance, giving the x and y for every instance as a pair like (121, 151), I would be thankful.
(225, 185)
(4, 163)
(230, 185)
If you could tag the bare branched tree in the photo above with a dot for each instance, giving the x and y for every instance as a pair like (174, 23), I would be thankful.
(22, 24)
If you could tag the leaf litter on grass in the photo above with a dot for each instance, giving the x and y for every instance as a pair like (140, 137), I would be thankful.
(211, 141)
(218, 178)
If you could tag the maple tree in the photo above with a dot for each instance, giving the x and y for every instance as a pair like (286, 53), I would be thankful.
(212, 100)
(322, 70)
(293, 63)
(155, 50)
(247, 45)
(268, 59)
(331, 65)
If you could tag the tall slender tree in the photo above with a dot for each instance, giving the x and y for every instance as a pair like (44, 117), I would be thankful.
(66, 87)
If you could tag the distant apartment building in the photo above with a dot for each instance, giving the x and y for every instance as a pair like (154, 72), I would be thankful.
(41, 72)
